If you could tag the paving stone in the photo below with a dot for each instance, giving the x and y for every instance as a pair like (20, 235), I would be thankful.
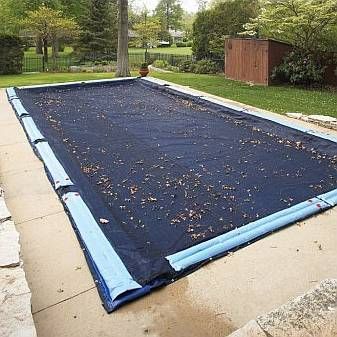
(312, 314)
(251, 329)
(322, 118)
(4, 212)
(9, 245)
(296, 115)
(15, 315)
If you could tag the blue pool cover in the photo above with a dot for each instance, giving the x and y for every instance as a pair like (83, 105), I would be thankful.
(157, 181)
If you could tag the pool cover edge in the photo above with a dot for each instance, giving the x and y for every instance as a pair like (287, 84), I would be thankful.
(117, 279)
(242, 235)
(56, 170)
(60, 84)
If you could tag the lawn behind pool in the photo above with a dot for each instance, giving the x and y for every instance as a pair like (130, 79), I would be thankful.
(279, 99)
(163, 50)
(32, 53)
(43, 78)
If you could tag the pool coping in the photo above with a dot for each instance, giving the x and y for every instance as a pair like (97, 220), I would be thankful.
(310, 314)
(16, 316)
(186, 258)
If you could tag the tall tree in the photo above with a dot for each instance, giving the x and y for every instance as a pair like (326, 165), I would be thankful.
(51, 26)
(212, 26)
(14, 11)
(74, 8)
(123, 38)
(147, 31)
(170, 14)
(8, 21)
(308, 24)
(99, 27)
(187, 24)
(202, 4)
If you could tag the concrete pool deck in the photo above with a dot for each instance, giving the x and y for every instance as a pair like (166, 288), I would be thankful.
(213, 301)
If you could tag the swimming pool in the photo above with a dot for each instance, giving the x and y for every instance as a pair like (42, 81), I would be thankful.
(158, 180)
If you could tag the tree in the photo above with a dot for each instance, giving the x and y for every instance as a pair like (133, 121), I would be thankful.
(187, 24)
(74, 8)
(99, 28)
(123, 38)
(50, 25)
(13, 11)
(147, 31)
(16, 11)
(202, 4)
(8, 22)
(11, 55)
(169, 13)
(212, 26)
(310, 25)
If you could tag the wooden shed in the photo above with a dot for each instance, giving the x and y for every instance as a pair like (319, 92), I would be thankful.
(253, 60)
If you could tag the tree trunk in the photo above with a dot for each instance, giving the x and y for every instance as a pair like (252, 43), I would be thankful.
(54, 54)
(38, 47)
(45, 50)
(122, 51)
(167, 17)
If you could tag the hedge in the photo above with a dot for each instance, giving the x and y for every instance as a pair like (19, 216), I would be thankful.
(11, 55)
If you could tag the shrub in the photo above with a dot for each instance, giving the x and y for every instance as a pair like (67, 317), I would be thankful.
(165, 36)
(204, 67)
(11, 55)
(200, 67)
(184, 44)
(185, 66)
(160, 64)
(173, 68)
(224, 18)
(299, 67)
(61, 48)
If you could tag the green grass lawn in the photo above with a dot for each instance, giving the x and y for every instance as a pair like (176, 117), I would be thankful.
(31, 52)
(163, 50)
(42, 78)
(279, 99)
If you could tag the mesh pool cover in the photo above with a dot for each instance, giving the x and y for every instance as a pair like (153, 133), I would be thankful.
(157, 182)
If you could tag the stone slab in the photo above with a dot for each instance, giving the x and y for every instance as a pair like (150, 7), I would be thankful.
(15, 315)
(4, 212)
(322, 118)
(296, 115)
(311, 314)
(251, 329)
(9, 245)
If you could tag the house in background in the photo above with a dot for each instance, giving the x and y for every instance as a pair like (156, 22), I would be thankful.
(177, 35)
